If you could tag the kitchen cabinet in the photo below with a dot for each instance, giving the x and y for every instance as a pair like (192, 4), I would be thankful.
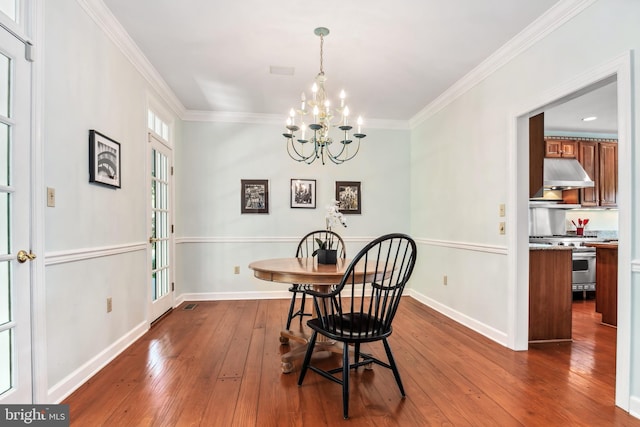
(600, 160)
(608, 174)
(588, 158)
(536, 154)
(550, 295)
(566, 148)
(607, 281)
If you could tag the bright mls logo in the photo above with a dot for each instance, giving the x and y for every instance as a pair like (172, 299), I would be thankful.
(34, 415)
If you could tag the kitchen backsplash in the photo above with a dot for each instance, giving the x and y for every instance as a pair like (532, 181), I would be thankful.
(602, 222)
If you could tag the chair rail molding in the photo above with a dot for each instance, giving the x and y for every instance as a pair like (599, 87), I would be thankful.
(477, 247)
(259, 239)
(63, 257)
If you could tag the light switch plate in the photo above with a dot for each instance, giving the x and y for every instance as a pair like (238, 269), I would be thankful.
(501, 209)
(51, 197)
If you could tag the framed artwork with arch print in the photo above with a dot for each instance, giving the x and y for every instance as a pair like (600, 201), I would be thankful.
(104, 160)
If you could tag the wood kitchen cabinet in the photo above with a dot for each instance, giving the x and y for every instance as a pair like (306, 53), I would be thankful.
(608, 174)
(588, 158)
(536, 154)
(600, 160)
(550, 294)
(566, 148)
(607, 281)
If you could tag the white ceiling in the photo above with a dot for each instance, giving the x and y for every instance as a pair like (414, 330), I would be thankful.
(392, 58)
(598, 101)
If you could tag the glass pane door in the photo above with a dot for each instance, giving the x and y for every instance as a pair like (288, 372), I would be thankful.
(15, 255)
(160, 240)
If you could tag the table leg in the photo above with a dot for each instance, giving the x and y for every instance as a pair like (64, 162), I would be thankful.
(323, 349)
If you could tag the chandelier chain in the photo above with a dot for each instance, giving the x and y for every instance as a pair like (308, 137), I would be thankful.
(321, 53)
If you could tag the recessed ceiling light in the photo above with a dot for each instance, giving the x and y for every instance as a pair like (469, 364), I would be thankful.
(589, 119)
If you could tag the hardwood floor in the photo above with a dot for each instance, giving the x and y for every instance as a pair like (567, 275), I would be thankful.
(218, 365)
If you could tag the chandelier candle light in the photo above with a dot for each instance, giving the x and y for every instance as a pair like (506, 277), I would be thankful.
(319, 109)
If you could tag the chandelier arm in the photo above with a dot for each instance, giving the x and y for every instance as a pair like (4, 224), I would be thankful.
(301, 157)
(337, 160)
(356, 152)
(336, 156)
(344, 146)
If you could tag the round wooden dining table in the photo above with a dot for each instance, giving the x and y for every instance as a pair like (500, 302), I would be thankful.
(322, 277)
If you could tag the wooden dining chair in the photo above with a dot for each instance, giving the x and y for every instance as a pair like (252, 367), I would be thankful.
(307, 246)
(361, 309)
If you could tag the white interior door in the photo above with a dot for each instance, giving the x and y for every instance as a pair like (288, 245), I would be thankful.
(15, 239)
(160, 235)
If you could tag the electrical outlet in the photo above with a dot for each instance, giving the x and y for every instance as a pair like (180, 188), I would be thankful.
(109, 305)
(501, 228)
(444, 280)
(501, 209)
(51, 197)
(236, 269)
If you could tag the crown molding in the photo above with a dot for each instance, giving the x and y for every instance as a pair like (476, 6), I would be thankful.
(562, 12)
(105, 20)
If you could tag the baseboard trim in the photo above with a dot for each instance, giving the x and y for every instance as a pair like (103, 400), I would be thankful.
(228, 296)
(73, 381)
(479, 327)
(634, 406)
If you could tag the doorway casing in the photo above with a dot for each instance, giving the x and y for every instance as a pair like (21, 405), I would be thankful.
(518, 196)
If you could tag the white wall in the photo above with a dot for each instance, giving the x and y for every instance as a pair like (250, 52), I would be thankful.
(461, 157)
(89, 84)
(213, 236)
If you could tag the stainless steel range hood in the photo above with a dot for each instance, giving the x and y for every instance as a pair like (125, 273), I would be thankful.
(563, 174)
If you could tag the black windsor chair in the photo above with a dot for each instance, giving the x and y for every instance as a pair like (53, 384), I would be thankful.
(307, 246)
(361, 311)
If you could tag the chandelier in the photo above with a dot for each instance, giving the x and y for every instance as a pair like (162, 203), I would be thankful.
(323, 118)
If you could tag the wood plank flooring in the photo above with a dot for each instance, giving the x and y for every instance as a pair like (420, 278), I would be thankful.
(218, 365)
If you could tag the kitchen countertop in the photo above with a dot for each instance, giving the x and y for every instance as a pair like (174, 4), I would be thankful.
(603, 245)
(545, 247)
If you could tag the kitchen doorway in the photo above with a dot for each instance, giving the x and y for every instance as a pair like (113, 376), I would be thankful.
(618, 69)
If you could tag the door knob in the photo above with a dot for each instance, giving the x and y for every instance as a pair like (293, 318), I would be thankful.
(23, 256)
(152, 240)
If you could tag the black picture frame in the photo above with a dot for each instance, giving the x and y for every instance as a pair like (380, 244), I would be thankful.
(254, 196)
(349, 197)
(104, 160)
(303, 193)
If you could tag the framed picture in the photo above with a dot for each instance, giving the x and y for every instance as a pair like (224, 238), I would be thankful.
(303, 193)
(104, 160)
(348, 197)
(254, 196)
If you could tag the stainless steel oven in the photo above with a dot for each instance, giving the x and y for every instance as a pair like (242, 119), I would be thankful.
(584, 270)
